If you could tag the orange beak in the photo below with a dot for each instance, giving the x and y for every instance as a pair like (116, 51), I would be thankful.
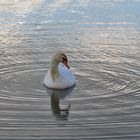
(66, 64)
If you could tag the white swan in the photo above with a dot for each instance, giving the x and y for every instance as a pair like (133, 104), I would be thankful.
(59, 75)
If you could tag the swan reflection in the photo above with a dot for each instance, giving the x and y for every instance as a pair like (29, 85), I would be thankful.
(56, 96)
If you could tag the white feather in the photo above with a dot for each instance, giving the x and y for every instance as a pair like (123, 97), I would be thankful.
(64, 80)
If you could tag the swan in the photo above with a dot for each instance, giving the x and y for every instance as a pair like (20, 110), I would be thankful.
(59, 75)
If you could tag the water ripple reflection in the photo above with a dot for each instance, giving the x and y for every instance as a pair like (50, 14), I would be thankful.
(101, 38)
(56, 96)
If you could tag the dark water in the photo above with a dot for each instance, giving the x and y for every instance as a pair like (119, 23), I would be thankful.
(102, 41)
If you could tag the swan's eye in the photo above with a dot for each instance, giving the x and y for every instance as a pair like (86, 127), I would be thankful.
(64, 59)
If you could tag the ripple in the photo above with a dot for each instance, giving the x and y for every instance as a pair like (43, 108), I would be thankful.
(102, 46)
(112, 105)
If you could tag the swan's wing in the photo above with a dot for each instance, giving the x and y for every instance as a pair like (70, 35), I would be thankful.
(67, 75)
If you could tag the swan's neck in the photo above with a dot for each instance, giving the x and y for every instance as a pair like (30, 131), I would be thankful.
(54, 70)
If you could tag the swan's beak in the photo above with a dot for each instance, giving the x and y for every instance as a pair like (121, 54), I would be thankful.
(66, 64)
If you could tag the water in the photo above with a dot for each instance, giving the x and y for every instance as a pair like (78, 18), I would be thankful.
(102, 41)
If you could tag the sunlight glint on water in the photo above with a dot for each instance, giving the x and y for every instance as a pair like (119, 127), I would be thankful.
(102, 41)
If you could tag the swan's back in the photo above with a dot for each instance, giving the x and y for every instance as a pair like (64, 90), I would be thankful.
(64, 80)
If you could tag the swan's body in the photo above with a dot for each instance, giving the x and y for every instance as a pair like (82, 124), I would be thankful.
(59, 75)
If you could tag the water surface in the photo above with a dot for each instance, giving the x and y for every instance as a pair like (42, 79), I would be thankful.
(102, 41)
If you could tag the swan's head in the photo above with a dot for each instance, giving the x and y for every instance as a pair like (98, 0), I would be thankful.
(61, 58)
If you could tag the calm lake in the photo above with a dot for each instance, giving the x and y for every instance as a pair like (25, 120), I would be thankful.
(102, 41)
